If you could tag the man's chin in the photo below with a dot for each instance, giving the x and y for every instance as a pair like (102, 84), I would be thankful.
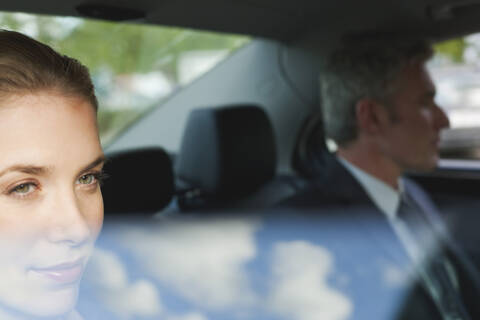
(425, 166)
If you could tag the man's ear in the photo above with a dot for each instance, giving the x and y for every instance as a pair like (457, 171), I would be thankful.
(371, 116)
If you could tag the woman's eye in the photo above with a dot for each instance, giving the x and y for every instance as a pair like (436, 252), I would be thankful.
(23, 189)
(87, 179)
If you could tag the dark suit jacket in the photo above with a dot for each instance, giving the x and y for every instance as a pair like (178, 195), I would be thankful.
(335, 188)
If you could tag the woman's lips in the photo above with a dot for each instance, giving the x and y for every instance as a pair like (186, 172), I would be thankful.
(62, 273)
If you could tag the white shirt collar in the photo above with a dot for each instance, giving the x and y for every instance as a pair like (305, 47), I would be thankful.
(384, 196)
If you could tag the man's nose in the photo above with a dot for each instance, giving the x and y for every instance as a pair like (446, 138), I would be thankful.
(441, 118)
(67, 224)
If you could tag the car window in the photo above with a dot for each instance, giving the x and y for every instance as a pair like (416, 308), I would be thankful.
(455, 70)
(134, 67)
(244, 267)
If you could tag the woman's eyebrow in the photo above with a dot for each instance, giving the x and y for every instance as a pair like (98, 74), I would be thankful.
(40, 170)
(26, 168)
(101, 159)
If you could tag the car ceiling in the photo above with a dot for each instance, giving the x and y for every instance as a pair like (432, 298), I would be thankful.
(287, 19)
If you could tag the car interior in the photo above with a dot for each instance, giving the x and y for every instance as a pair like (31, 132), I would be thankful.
(248, 133)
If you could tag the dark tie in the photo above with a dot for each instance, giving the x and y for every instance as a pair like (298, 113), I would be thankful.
(437, 273)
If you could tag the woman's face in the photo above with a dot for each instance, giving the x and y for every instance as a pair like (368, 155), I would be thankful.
(51, 207)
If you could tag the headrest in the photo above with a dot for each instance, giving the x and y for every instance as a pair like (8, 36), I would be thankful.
(228, 151)
(139, 181)
(308, 158)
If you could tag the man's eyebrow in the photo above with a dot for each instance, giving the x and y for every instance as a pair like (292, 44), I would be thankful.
(101, 159)
(428, 96)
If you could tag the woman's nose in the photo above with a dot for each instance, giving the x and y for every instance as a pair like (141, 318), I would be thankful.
(67, 224)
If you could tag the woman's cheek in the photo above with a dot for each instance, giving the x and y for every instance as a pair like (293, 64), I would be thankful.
(17, 219)
(19, 231)
(92, 210)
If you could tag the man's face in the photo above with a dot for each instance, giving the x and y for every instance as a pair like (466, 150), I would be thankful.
(411, 137)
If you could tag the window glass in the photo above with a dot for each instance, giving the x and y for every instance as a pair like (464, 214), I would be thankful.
(134, 67)
(455, 69)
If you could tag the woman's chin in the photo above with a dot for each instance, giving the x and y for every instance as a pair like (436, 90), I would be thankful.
(59, 302)
(53, 303)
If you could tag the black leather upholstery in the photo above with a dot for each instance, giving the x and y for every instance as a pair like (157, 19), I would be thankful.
(139, 181)
(309, 155)
(228, 152)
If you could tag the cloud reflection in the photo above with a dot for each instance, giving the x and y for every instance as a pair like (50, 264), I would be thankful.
(129, 300)
(300, 290)
(216, 270)
(190, 316)
(204, 262)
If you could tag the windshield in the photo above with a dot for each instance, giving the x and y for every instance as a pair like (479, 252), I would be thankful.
(134, 67)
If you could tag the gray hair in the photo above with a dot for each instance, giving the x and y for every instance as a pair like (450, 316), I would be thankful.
(361, 70)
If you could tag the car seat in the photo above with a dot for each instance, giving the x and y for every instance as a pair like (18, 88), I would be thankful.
(228, 160)
(139, 182)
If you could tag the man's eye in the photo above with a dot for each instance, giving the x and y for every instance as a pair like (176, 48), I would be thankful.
(87, 179)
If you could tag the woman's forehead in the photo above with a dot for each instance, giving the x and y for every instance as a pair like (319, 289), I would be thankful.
(47, 109)
(47, 130)
(43, 101)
